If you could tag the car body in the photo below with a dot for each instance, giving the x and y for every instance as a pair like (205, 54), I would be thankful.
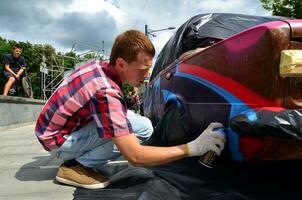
(225, 78)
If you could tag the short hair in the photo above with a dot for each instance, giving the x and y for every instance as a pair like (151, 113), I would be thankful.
(17, 47)
(128, 44)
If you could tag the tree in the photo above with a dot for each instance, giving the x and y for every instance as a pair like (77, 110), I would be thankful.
(286, 8)
(126, 89)
(69, 59)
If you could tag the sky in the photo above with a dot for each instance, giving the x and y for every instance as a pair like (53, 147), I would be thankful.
(63, 22)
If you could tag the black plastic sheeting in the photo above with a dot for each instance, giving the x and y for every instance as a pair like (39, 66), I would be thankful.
(282, 124)
(187, 179)
(173, 128)
(204, 30)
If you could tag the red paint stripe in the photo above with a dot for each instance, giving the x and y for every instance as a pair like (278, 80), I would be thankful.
(273, 109)
(243, 93)
(251, 147)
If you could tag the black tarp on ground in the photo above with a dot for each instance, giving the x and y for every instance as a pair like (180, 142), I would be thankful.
(204, 30)
(187, 179)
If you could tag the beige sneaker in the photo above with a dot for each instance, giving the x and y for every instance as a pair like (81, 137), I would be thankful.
(81, 176)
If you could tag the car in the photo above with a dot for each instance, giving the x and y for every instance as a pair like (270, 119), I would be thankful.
(243, 71)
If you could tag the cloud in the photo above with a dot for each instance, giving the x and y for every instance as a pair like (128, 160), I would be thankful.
(235, 6)
(61, 23)
(38, 23)
(163, 14)
(90, 29)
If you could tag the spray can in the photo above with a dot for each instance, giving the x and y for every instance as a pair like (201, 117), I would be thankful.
(208, 158)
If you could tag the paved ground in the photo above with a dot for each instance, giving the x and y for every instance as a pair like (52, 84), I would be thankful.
(26, 170)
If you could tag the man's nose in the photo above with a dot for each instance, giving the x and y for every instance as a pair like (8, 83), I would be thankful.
(146, 74)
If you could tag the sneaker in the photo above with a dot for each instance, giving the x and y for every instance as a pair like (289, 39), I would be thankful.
(81, 176)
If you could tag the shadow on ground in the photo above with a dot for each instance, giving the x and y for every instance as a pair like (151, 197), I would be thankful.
(43, 168)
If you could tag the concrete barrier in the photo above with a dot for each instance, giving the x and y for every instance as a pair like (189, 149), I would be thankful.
(16, 111)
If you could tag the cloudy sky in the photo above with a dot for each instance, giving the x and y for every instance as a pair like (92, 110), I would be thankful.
(63, 22)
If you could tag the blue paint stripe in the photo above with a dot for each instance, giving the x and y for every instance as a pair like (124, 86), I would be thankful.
(235, 110)
(168, 95)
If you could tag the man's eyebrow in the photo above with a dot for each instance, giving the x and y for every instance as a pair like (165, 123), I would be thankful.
(145, 67)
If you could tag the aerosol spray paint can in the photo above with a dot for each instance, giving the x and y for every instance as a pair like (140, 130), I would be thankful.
(208, 158)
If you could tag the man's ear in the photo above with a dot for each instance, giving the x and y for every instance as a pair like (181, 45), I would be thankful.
(120, 63)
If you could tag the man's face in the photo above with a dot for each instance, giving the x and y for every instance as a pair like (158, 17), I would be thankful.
(17, 52)
(136, 71)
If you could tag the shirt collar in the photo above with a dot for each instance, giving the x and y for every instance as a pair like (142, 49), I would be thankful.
(109, 70)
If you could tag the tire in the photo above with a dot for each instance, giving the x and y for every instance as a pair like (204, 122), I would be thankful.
(28, 92)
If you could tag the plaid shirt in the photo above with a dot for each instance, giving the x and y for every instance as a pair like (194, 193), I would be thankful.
(91, 92)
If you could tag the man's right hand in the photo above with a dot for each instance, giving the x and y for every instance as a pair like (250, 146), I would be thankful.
(208, 140)
(16, 76)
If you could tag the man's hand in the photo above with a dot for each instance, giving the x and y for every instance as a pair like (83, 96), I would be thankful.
(208, 140)
(20, 72)
(8, 69)
(16, 76)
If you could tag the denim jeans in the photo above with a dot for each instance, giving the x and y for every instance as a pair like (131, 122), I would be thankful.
(90, 150)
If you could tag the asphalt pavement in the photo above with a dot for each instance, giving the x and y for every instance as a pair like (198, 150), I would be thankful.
(26, 170)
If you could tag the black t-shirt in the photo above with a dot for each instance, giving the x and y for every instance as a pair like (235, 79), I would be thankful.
(14, 63)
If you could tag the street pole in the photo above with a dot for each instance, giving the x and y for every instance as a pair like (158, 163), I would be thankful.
(150, 32)
(103, 50)
(146, 30)
(147, 33)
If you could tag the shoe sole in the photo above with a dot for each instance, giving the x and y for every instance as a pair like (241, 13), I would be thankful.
(94, 186)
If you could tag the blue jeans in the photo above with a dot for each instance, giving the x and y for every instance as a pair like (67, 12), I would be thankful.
(86, 147)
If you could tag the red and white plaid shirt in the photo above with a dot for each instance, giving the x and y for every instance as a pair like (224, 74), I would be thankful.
(91, 92)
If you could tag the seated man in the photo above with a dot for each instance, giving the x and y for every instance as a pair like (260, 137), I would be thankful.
(13, 66)
(87, 115)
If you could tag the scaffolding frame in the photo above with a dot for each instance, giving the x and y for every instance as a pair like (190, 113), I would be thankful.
(56, 70)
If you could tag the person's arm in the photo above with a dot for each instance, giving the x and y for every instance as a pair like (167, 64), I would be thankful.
(7, 66)
(139, 155)
(8, 69)
(20, 72)
(110, 111)
(23, 66)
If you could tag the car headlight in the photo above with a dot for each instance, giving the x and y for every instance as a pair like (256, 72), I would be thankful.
(291, 63)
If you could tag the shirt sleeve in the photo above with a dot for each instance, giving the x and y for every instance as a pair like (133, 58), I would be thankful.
(23, 63)
(5, 60)
(110, 114)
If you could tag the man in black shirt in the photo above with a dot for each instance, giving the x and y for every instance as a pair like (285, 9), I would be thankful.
(13, 65)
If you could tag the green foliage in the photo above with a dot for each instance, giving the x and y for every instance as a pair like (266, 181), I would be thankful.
(286, 8)
(69, 59)
(126, 89)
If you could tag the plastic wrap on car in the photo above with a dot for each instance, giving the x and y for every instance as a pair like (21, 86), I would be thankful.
(173, 128)
(285, 123)
(204, 30)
